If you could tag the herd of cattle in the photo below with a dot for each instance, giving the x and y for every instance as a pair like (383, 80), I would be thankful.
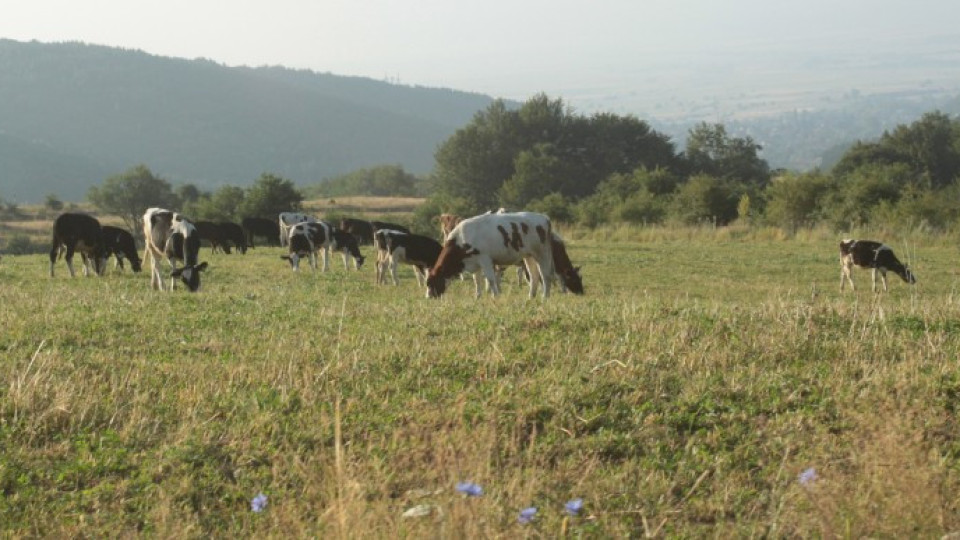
(482, 246)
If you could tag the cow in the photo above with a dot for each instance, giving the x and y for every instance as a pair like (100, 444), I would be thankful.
(447, 223)
(873, 255)
(377, 225)
(287, 220)
(78, 232)
(347, 244)
(309, 237)
(480, 243)
(564, 271)
(120, 243)
(168, 234)
(263, 227)
(361, 229)
(232, 233)
(212, 233)
(395, 247)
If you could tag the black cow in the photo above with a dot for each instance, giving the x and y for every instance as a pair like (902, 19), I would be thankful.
(263, 227)
(120, 243)
(211, 232)
(360, 229)
(233, 233)
(873, 255)
(78, 232)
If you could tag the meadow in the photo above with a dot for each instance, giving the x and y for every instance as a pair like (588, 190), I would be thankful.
(710, 383)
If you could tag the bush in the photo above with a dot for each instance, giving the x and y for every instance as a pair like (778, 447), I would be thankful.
(554, 205)
(20, 244)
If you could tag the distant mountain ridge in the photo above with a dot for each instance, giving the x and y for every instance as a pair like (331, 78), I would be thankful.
(72, 114)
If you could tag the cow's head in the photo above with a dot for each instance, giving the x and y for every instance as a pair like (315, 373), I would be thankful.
(908, 275)
(436, 285)
(572, 280)
(136, 264)
(190, 275)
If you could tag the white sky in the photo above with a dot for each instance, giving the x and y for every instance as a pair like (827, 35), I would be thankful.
(505, 48)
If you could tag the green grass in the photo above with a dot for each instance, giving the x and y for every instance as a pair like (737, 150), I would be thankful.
(702, 372)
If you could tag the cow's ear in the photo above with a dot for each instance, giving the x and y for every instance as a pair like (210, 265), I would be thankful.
(202, 266)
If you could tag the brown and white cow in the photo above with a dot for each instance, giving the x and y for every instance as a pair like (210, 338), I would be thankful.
(286, 220)
(168, 234)
(479, 244)
(120, 243)
(397, 247)
(873, 255)
(78, 232)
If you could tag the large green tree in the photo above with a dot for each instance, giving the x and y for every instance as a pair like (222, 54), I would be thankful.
(130, 193)
(710, 150)
(269, 196)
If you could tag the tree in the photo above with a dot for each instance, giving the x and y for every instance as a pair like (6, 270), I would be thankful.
(129, 194)
(52, 202)
(705, 198)
(222, 205)
(797, 200)
(711, 151)
(269, 196)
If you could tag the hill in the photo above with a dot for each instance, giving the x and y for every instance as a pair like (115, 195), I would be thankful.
(71, 114)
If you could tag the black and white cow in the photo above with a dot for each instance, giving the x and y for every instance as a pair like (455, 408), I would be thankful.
(873, 255)
(479, 244)
(120, 243)
(168, 234)
(262, 227)
(286, 220)
(396, 247)
(78, 232)
(233, 233)
(211, 232)
(307, 238)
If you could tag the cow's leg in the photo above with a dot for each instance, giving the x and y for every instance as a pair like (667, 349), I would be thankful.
(535, 277)
(54, 253)
(421, 273)
(86, 264)
(173, 268)
(883, 279)
(69, 258)
(326, 258)
(491, 274)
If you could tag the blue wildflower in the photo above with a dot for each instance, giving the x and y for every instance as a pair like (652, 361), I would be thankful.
(470, 489)
(807, 477)
(259, 503)
(573, 507)
(526, 515)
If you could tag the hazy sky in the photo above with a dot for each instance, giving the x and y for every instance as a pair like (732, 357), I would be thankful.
(511, 48)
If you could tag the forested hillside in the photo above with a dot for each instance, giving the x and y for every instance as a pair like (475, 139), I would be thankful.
(72, 114)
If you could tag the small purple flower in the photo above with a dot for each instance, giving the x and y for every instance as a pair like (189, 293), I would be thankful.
(470, 489)
(527, 514)
(573, 507)
(807, 477)
(259, 503)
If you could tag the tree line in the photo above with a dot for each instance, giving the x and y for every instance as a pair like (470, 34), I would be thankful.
(606, 168)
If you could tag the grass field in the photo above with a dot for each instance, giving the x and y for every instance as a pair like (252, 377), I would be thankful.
(683, 396)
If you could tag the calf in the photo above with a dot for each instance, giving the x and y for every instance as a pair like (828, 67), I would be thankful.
(289, 219)
(309, 237)
(481, 243)
(395, 247)
(569, 275)
(212, 233)
(78, 232)
(300, 245)
(263, 227)
(233, 233)
(168, 234)
(873, 255)
(120, 243)
(347, 244)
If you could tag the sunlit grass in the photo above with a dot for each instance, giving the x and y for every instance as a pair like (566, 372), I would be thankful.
(682, 396)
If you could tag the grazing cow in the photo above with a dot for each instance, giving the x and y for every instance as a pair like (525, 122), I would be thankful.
(263, 227)
(447, 223)
(212, 233)
(873, 255)
(361, 229)
(309, 237)
(481, 243)
(569, 275)
(168, 234)
(395, 247)
(120, 243)
(347, 244)
(377, 225)
(78, 232)
(233, 234)
(288, 220)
